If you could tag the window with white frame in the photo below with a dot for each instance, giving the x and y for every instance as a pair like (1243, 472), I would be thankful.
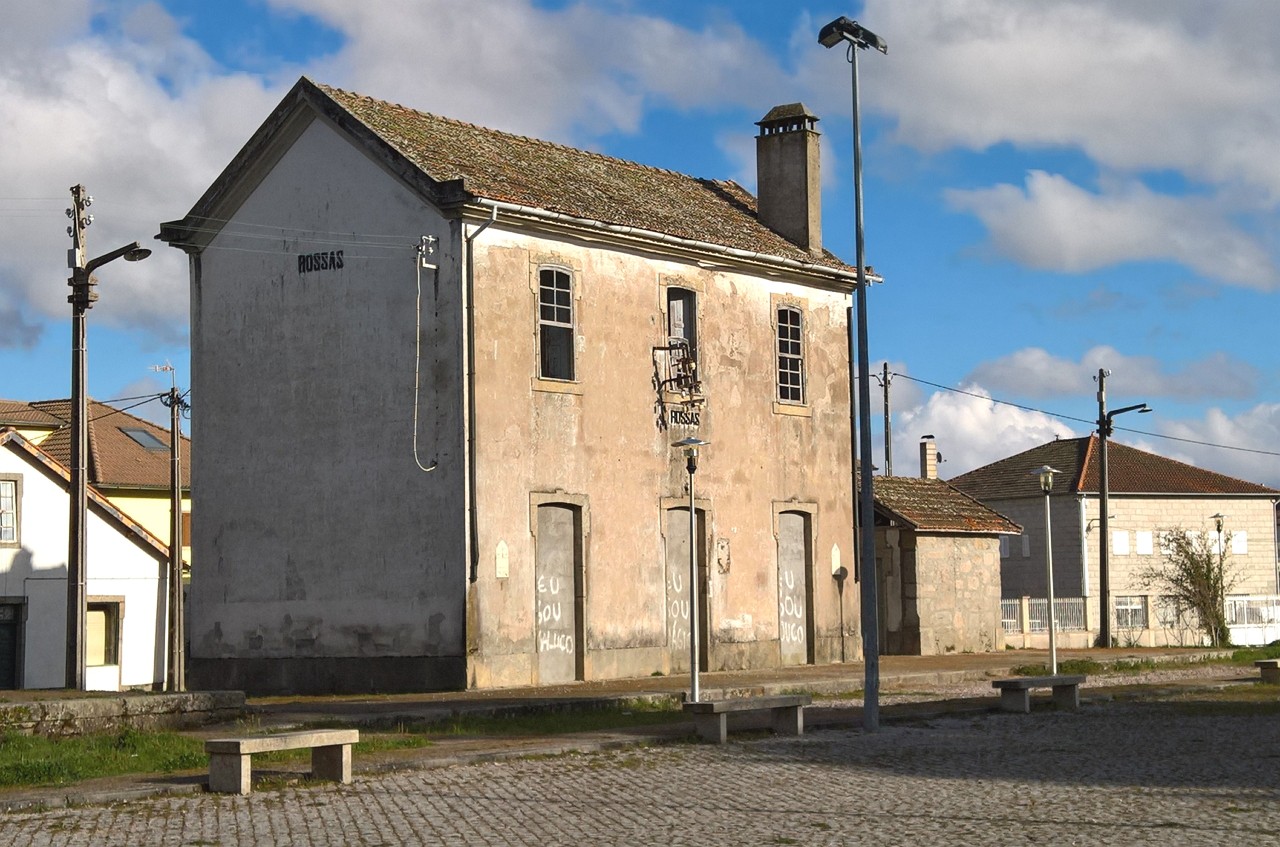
(555, 324)
(1143, 543)
(10, 498)
(1131, 611)
(790, 355)
(1120, 542)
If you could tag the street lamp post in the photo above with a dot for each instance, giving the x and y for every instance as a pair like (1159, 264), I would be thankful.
(1220, 578)
(690, 446)
(82, 298)
(1105, 428)
(843, 30)
(1046, 485)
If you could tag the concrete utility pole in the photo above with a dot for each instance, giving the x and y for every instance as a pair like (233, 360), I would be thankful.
(888, 426)
(177, 677)
(82, 298)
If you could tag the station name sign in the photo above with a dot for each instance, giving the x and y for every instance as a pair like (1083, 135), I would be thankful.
(679, 416)
(308, 262)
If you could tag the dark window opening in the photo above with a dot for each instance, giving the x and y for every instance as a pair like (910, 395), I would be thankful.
(790, 355)
(555, 324)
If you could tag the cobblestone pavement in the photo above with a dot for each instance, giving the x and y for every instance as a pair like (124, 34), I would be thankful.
(1113, 773)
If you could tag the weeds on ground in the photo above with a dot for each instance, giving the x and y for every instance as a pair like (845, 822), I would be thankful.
(37, 760)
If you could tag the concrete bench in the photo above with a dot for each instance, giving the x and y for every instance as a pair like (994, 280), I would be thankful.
(710, 717)
(1270, 669)
(1015, 694)
(230, 759)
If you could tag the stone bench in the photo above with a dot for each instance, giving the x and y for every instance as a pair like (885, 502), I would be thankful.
(710, 717)
(1270, 669)
(1015, 694)
(230, 759)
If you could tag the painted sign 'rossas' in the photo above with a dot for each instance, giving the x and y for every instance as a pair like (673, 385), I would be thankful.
(330, 261)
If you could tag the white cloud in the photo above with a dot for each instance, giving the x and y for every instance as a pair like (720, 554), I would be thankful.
(1055, 224)
(557, 74)
(1034, 372)
(1188, 86)
(1256, 429)
(970, 431)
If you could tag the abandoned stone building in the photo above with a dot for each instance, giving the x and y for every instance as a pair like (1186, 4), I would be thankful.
(441, 372)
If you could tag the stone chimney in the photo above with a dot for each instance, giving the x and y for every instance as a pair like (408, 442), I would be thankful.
(928, 458)
(787, 175)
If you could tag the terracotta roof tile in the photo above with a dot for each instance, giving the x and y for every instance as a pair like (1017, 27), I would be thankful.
(526, 171)
(933, 505)
(115, 460)
(1129, 471)
(20, 413)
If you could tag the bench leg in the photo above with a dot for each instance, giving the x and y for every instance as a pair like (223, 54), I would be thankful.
(788, 720)
(1066, 696)
(1015, 700)
(229, 773)
(713, 727)
(332, 762)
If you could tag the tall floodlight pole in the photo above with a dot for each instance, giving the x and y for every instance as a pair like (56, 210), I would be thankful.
(690, 446)
(1105, 429)
(843, 30)
(82, 298)
(1046, 485)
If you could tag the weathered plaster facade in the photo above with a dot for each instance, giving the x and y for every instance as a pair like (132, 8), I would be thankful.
(531, 529)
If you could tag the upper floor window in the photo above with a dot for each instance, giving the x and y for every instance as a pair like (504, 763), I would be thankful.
(9, 492)
(555, 324)
(790, 355)
(682, 320)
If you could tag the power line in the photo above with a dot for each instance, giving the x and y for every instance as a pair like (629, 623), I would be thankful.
(1086, 420)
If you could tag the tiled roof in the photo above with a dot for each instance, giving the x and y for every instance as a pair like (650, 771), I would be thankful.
(462, 163)
(1129, 471)
(115, 459)
(20, 413)
(11, 439)
(933, 505)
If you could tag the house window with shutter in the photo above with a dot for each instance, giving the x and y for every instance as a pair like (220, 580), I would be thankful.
(682, 322)
(555, 324)
(790, 331)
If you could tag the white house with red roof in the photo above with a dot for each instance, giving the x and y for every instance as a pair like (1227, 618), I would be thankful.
(1147, 493)
(125, 581)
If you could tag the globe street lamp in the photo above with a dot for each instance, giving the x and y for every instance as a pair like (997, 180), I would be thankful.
(843, 30)
(82, 298)
(1046, 485)
(690, 446)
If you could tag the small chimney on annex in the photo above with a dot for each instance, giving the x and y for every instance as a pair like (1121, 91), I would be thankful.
(928, 458)
(788, 177)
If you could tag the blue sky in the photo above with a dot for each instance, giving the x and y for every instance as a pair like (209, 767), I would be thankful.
(1050, 187)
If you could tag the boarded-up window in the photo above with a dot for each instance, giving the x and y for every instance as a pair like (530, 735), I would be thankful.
(1144, 544)
(102, 634)
(1120, 542)
(682, 320)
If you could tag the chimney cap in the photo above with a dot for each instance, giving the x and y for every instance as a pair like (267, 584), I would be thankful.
(788, 113)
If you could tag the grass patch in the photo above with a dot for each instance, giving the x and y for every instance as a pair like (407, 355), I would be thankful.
(35, 760)
(1249, 655)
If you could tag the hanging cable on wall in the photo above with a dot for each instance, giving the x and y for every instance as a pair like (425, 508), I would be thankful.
(426, 247)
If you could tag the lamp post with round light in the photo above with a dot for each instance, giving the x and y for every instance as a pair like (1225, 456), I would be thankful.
(690, 446)
(1045, 473)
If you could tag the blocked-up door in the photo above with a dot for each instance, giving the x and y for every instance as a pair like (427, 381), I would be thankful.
(795, 604)
(9, 619)
(558, 595)
(678, 594)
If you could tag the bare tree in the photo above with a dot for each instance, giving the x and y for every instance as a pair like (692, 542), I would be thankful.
(1195, 576)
